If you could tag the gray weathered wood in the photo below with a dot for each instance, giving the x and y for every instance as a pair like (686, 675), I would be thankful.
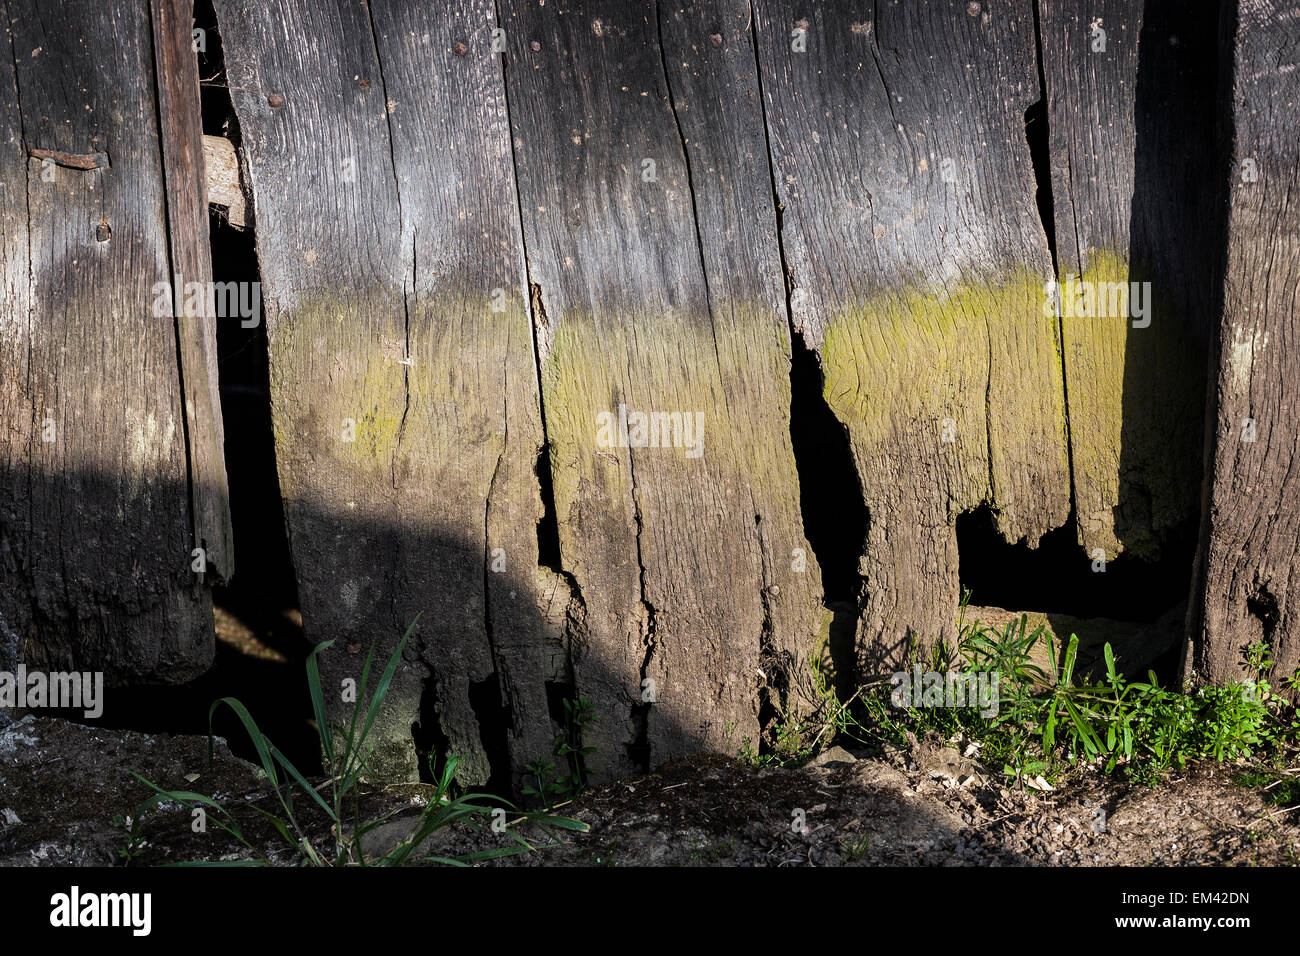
(1247, 580)
(96, 525)
(917, 263)
(387, 230)
(1132, 166)
(181, 135)
(650, 235)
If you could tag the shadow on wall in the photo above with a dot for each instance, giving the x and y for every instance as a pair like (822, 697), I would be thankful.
(428, 711)
(1176, 234)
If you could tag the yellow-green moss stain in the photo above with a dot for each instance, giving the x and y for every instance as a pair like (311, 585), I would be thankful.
(963, 384)
(697, 515)
(1135, 385)
(1095, 338)
(361, 395)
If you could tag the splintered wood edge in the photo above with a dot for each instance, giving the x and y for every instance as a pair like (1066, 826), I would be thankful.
(224, 185)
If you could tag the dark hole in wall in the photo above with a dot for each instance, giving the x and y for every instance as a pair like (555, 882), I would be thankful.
(431, 745)
(638, 751)
(830, 499)
(548, 529)
(494, 720)
(1036, 135)
(1058, 576)
(1263, 606)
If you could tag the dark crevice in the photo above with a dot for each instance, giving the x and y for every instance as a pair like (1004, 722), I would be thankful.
(831, 500)
(432, 746)
(830, 495)
(638, 750)
(1058, 577)
(494, 718)
(548, 528)
(830, 492)
(1038, 136)
(1040, 153)
(1262, 605)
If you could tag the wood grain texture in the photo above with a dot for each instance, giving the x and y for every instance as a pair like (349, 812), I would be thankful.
(1132, 148)
(917, 262)
(387, 222)
(95, 523)
(1252, 526)
(651, 245)
(181, 135)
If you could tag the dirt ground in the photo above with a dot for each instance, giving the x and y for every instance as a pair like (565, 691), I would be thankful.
(929, 804)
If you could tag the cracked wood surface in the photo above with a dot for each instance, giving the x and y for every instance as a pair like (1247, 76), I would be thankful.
(1248, 576)
(96, 524)
(650, 234)
(1133, 164)
(917, 262)
(427, 312)
(393, 277)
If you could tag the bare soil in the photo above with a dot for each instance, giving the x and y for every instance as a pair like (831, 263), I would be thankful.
(62, 783)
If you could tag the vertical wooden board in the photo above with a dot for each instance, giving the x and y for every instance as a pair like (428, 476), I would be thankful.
(917, 262)
(470, 326)
(709, 62)
(18, 419)
(387, 219)
(652, 263)
(95, 523)
(181, 133)
(1132, 167)
(1252, 557)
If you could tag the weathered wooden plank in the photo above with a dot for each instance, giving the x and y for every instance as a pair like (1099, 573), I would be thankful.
(917, 263)
(403, 383)
(1251, 526)
(95, 519)
(650, 238)
(181, 135)
(1132, 166)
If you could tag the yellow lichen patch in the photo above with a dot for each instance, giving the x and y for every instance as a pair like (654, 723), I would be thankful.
(964, 384)
(1095, 328)
(719, 504)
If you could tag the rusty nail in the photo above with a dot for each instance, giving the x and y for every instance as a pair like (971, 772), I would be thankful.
(275, 101)
(460, 48)
(534, 46)
(715, 39)
(973, 8)
(364, 84)
(102, 232)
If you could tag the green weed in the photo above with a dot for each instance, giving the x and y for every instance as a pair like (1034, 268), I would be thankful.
(347, 751)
